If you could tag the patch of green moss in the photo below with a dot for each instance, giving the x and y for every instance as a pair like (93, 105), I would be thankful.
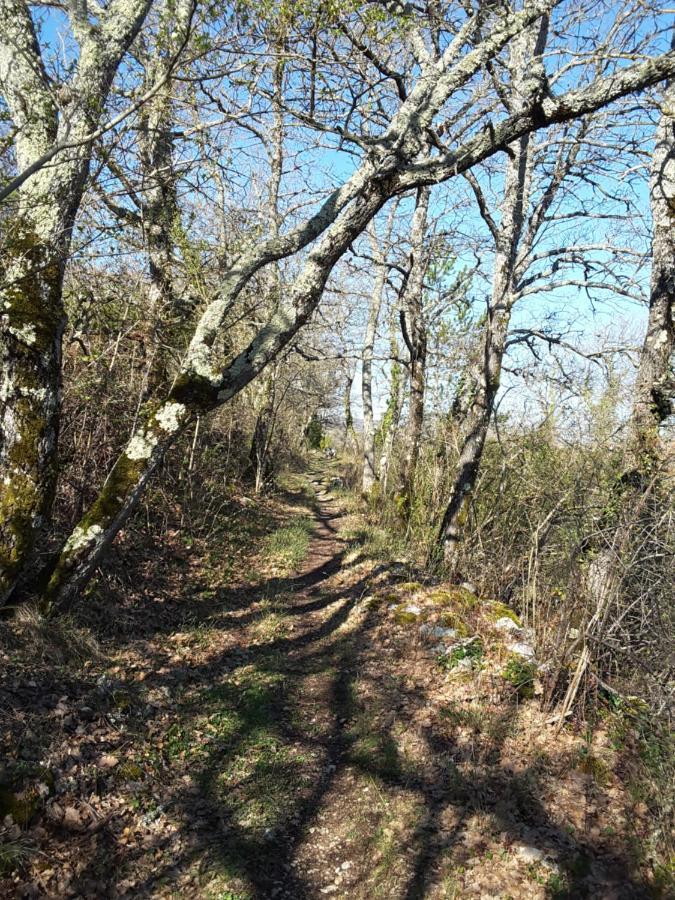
(195, 391)
(440, 597)
(520, 673)
(23, 803)
(453, 620)
(409, 587)
(121, 700)
(403, 617)
(129, 771)
(498, 610)
(455, 595)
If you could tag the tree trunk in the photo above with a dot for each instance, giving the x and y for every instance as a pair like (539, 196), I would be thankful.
(655, 383)
(35, 258)
(369, 475)
(30, 375)
(392, 415)
(525, 54)
(259, 454)
(414, 329)
(159, 213)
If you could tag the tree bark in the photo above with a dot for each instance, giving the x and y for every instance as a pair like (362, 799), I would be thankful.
(655, 383)
(369, 475)
(35, 256)
(392, 414)
(260, 452)
(524, 61)
(414, 329)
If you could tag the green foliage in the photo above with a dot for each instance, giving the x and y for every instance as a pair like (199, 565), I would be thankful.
(314, 434)
(472, 650)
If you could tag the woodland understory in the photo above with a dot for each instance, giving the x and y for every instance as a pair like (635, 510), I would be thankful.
(337, 535)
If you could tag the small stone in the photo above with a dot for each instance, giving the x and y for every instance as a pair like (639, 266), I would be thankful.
(413, 609)
(529, 854)
(437, 631)
(506, 624)
(71, 818)
(522, 649)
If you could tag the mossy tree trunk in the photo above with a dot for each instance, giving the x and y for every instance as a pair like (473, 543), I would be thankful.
(655, 383)
(30, 374)
(45, 204)
(260, 454)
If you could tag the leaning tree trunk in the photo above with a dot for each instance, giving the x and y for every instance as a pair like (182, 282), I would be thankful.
(474, 430)
(199, 388)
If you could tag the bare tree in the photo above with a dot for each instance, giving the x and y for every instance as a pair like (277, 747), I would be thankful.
(526, 72)
(392, 162)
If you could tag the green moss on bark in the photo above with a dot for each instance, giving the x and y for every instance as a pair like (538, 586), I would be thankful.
(196, 392)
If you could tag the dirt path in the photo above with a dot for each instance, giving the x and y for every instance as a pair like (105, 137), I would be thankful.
(291, 739)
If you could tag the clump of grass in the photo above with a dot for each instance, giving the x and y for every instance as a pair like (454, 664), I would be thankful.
(370, 542)
(597, 768)
(58, 641)
(287, 546)
(14, 853)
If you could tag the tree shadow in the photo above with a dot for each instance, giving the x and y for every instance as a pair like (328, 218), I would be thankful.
(280, 724)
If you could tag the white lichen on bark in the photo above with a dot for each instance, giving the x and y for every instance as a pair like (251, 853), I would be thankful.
(141, 446)
(81, 537)
(170, 416)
